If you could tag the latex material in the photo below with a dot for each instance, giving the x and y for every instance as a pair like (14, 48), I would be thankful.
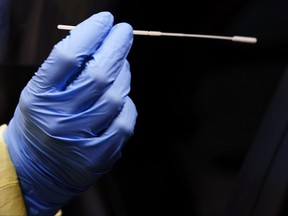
(74, 115)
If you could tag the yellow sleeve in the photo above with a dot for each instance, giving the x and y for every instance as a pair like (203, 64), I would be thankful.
(11, 201)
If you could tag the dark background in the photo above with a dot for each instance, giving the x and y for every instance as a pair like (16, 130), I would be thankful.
(200, 101)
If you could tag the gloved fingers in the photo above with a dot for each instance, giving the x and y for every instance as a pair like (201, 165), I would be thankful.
(90, 87)
(85, 115)
(101, 113)
(69, 55)
(102, 70)
(107, 146)
(115, 47)
(123, 125)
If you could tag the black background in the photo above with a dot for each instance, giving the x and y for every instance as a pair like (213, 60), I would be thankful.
(200, 101)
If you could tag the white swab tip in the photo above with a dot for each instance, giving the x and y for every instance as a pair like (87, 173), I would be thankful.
(244, 39)
(65, 27)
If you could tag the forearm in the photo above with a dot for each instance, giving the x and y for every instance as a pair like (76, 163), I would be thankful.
(11, 201)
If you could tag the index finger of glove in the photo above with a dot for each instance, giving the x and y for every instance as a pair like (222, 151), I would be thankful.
(68, 56)
(103, 68)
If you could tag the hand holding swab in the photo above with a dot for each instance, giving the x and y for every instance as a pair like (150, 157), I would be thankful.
(241, 39)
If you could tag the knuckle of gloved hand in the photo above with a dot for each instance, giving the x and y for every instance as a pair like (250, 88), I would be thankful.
(127, 118)
(114, 99)
(124, 127)
(99, 79)
(26, 101)
(65, 57)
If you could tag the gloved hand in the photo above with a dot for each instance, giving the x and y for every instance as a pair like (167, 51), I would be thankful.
(74, 115)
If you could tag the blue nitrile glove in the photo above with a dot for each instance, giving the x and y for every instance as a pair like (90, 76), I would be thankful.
(74, 115)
